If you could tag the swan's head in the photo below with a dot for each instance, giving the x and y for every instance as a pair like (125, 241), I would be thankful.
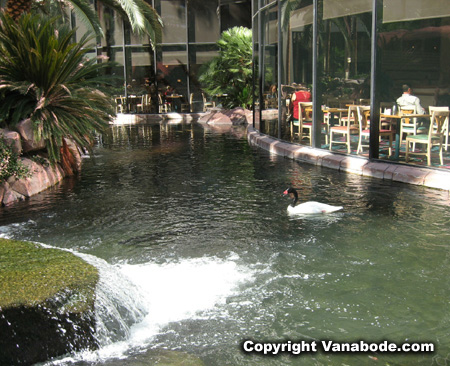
(292, 192)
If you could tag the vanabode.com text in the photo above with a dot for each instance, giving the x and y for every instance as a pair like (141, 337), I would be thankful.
(296, 348)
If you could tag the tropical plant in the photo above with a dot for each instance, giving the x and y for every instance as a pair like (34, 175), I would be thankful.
(143, 18)
(10, 164)
(46, 78)
(230, 73)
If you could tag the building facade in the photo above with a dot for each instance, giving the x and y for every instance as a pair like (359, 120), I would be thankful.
(191, 30)
(354, 52)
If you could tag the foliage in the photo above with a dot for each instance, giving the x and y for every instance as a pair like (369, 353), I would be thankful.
(142, 17)
(10, 164)
(230, 73)
(48, 79)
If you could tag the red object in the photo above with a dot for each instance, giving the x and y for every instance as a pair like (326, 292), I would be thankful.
(300, 96)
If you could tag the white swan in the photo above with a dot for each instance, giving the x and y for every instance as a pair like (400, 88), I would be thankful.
(310, 207)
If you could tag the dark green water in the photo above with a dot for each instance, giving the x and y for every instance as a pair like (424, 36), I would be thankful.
(196, 219)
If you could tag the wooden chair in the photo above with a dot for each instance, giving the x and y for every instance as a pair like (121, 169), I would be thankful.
(187, 107)
(207, 104)
(434, 137)
(348, 130)
(164, 107)
(120, 104)
(409, 125)
(433, 109)
(364, 130)
(142, 105)
(304, 120)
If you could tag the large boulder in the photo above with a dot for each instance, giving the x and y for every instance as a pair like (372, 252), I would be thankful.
(12, 139)
(9, 196)
(29, 143)
(42, 177)
(73, 148)
(236, 116)
(46, 303)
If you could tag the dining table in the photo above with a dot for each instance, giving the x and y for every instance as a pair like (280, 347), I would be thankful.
(332, 112)
(175, 101)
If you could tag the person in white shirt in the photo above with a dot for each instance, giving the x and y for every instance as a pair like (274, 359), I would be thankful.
(407, 100)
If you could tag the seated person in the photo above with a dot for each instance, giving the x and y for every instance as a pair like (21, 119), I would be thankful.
(407, 100)
(302, 95)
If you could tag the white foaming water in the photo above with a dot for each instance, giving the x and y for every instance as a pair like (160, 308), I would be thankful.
(134, 302)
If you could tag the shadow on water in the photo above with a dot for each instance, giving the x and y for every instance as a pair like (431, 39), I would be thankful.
(196, 220)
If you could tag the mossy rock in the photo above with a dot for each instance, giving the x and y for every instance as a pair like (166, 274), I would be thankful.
(46, 303)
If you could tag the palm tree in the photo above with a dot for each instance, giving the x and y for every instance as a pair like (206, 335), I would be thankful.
(46, 78)
(143, 18)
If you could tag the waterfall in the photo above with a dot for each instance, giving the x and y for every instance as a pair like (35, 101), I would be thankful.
(135, 301)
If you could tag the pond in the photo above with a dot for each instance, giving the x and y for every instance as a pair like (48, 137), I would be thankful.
(197, 253)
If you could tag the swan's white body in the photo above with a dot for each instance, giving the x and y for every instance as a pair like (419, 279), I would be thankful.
(310, 207)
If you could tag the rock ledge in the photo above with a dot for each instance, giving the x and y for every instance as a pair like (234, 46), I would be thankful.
(46, 303)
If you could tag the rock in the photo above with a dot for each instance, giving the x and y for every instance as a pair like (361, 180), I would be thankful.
(46, 303)
(37, 182)
(29, 143)
(10, 196)
(2, 192)
(236, 116)
(12, 139)
(42, 176)
(76, 154)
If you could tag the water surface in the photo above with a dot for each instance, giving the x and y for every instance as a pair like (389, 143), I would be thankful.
(189, 227)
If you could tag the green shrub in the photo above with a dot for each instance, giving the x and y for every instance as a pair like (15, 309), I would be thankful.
(10, 164)
(230, 73)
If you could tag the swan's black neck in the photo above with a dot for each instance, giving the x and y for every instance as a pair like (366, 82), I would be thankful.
(295, 198)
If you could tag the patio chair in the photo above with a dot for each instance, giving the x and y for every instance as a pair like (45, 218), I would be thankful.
(433, 109)
(163, 106)
(409, 125)
(348, 130)
(364, 130)
(120, 104)
(434, 137)
(207, 104)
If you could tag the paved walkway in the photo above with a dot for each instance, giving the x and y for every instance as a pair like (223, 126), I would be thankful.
(397, 172)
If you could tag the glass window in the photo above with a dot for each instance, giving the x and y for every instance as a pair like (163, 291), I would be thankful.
(269, 82)
(256, 79)
(297, 30)
(414, 45)
(234, 14)
(173, 14)
(203, 21)
(171, 73)
(112, 26)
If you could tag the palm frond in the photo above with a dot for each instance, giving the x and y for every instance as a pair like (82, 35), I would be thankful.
(87, 15)
(47, 78)
(143, 18)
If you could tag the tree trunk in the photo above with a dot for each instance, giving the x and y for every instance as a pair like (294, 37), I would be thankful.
(15, 8)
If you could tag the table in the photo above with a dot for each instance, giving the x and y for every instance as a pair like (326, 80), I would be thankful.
(396, 118)
(133, 101)
(332, 111)
(175, 101)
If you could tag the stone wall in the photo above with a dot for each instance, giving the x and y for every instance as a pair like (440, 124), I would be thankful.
(43, 174)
